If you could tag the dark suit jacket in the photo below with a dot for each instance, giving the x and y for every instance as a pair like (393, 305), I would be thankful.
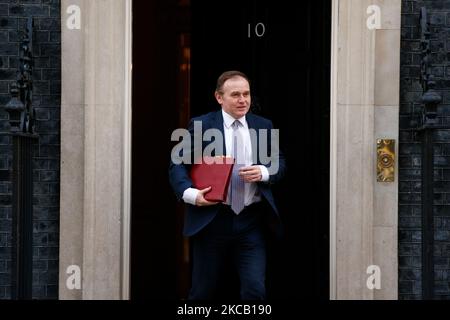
(198, 217)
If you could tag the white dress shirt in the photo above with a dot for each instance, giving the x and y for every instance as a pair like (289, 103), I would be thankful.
(251, 188)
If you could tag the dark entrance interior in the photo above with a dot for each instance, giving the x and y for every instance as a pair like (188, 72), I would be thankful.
(180, 48)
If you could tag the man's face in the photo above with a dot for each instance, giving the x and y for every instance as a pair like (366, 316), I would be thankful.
(235, 97)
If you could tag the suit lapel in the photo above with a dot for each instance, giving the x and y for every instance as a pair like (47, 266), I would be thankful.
(251, 122)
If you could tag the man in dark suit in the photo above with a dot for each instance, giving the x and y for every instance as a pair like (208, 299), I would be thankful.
(237, 228)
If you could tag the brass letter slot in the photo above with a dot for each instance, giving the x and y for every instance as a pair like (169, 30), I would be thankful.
(385, 160)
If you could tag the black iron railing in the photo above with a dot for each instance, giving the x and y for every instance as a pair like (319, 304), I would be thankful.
(22, 121)
(429, 122)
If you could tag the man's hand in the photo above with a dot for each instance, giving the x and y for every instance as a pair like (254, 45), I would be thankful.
(201, 201)
(251, 174)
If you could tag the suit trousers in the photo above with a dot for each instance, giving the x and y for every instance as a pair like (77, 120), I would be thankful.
(230, 236)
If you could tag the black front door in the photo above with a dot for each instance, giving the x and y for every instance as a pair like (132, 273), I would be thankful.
(285, 51)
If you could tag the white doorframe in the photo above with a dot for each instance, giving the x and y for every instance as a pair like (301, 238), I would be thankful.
(126, 156)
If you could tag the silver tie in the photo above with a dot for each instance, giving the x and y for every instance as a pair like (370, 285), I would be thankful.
(237, 184)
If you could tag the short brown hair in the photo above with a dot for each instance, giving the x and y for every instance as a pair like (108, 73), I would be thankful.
(228, 75)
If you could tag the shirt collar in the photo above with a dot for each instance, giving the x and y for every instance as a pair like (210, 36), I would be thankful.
(228, 120)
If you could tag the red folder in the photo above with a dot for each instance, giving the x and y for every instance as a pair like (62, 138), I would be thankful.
(214, 172)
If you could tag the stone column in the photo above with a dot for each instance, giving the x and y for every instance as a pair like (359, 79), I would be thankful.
(365, 94)
(95, 128)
